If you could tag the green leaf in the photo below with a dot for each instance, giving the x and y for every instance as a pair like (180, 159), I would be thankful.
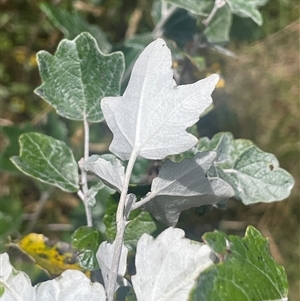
(218, 29)
(125, 293)
(73, 24)
(246, 270)
(254, 175)
(247, 9)
(47, 160)
(87, 240)
(78, 76)
(198, 7)
(140, 222)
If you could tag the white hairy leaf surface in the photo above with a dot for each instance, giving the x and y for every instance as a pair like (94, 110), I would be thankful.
(71, 285)
(152, 116)
(166, 267)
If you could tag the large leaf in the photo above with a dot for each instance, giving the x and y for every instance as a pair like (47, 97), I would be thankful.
(166, 267)
(247, 9)
(48, 160)
(254, 175)
(71, 285)
(180, 186)
(151, 118)
(246, 270)
(108, 169)
(73, 24)
(218, 28)
(78, 76)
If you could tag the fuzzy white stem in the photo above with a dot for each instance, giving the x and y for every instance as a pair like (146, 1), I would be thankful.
(121, 223)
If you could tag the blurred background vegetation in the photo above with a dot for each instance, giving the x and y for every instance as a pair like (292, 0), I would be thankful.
(258, 99)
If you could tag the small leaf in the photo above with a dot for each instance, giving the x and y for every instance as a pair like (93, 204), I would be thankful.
(105, 257)
(125, 293)
(246, 271)
(159, 110)
(93, 191)
(166, 267)
(140, 222)
(195, 6)
(254, 175)
(72, 24)
(87, 240)
(48, 160)
(109, 170)
(247, 9)
(218, 29)
(78, 76)
(180, 186)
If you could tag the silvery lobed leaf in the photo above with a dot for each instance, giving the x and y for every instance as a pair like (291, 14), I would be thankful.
(151, 118)
(105, 256)
(183, 185)
(16, 284)
(167, 267)
(108, 169)
(71, 285)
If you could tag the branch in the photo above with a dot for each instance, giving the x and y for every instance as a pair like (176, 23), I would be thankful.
(166, 13)
(121, 225)
(218, 4)
(83, 194)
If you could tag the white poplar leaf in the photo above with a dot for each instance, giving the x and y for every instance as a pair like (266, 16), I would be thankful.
(71, 285)
(181, 186)
(166, 267)
(17, 285)
(152, 116)
(110, 172)
(105, 255)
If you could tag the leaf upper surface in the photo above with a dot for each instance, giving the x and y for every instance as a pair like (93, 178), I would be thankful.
(151, 118)
(166, 267)
(254, 175)
(48, 160)
(78, 76)
(246, 271)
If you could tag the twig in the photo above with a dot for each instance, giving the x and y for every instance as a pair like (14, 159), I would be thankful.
(83, 194)
(121, 225)
(218, 4)
(41, 203)
(165, 16)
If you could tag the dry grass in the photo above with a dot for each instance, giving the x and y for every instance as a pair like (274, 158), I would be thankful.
(263, 87)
